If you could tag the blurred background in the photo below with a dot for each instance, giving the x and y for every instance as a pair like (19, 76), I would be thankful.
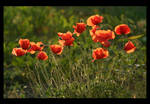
(42, 23)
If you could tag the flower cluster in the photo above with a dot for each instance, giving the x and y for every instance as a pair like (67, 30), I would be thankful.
(103, 37)
(67, 39)
(30, 47)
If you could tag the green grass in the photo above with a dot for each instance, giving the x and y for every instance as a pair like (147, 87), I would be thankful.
(72, 74)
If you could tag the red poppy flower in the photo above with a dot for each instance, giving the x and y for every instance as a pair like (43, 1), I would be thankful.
(57, 49)
(24, 43)
(79, 28)
(18, 51)
(102, 35)
(129, 47)
(100, 53)
(42, 55)
(65, 36)
(122, 29)
(94, 20)
(67, 39)
(66, 42)
(35, 47)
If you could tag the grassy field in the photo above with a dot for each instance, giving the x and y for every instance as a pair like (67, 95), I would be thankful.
(72, 74)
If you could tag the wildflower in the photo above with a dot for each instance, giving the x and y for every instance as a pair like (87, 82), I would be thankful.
(79, 28)
(94, 20)
(102, 35)
(35, 47)
(67, 39)
(24, 43)
(42, 55)
(57, 49)
(18, 51)
(100, 53)
(122, 29)
(66, 42)
(129, 47)
(65, 36)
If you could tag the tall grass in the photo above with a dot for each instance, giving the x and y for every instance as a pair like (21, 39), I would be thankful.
(121, 75)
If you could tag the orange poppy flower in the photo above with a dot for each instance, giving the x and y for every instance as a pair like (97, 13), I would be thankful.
(122, 29)
(65, 36)
(102, 35)
(67, 39)
(94, 20)
(24, 43)
(66, 42)
(42, 55)
(129, 47)
(35, 47)
(18, 51)
(57, 49)
(79, 28)
(100, 53)
(105, 43)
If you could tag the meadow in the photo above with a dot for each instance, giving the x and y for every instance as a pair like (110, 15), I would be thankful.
(73, 74)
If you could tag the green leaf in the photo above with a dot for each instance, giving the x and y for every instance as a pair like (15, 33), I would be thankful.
(135, 37)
